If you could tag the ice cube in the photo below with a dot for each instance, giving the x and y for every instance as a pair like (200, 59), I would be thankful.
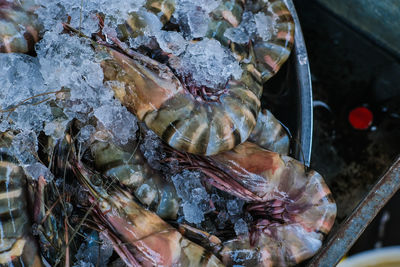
(152, 149)
(152, 22)
(83, 263)
(37, 169)
(56, 128)
(237, 35)
(265, 25)
(193, 16)
(85, 133)
(192, 213)
(171, 42)
(195, 199)
(118, 120)
(241, 227)
(233, 207)
(31, 116)
(222, 218)
(245, 31)
(198, 21)
(207, 5)
(209, 64)
(25, 146)
(93, 252)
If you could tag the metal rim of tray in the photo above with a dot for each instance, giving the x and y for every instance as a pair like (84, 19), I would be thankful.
(343, 236)
(304, 92)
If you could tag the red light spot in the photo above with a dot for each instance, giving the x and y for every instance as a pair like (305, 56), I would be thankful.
(360, 118)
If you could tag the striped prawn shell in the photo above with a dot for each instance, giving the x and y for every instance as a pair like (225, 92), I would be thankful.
(19, 26)
(270, 134)
(272, 181)
(152, 241)
(17, 245)
(266, 56)
(271, 54)
(129, 167)
(204, 128)
(152, 92)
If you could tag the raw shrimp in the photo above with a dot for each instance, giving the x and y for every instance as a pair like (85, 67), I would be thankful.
(150, 90)
(186, 116)
(194, 119)
(140, 237)
(292, 208)
(129, 167)
(17, 245)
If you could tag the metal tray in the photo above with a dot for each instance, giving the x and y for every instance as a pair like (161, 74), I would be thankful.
(289, 95)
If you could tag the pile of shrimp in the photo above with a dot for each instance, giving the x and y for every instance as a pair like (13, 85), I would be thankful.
(114, 195)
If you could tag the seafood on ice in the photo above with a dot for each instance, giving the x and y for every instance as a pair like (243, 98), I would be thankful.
(157, 58)
(292, 207)
(195, 118)
(201, 119)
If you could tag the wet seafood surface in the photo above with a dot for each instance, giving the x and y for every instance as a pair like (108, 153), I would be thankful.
(138, 136)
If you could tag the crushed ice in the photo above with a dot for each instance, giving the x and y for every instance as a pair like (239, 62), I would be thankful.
(210, 64)
(65, 82)
(172, 42)
(37, 170)
(245, 31)
(192, 18)
(119, 120)
(25, 147)
(151, 149)
(83, 13)
(96, 251)
(21, 80)
(251, 27)
(195, 199)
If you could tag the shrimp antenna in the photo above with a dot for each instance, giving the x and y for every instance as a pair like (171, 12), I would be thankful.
(297, 142)
(80, 17)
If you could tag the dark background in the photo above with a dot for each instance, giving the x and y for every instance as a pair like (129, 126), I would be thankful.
(350, 68)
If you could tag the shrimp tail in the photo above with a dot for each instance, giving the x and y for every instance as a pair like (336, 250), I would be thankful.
(270, 134)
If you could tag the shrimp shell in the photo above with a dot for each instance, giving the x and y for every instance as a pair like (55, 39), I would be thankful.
(267, 54)
(206, 128)
(294, 207)
(152, 92)
(270, 134)
(19, 27)
(132, 170)
(152, 241)
(17, 245)
(271, 54)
